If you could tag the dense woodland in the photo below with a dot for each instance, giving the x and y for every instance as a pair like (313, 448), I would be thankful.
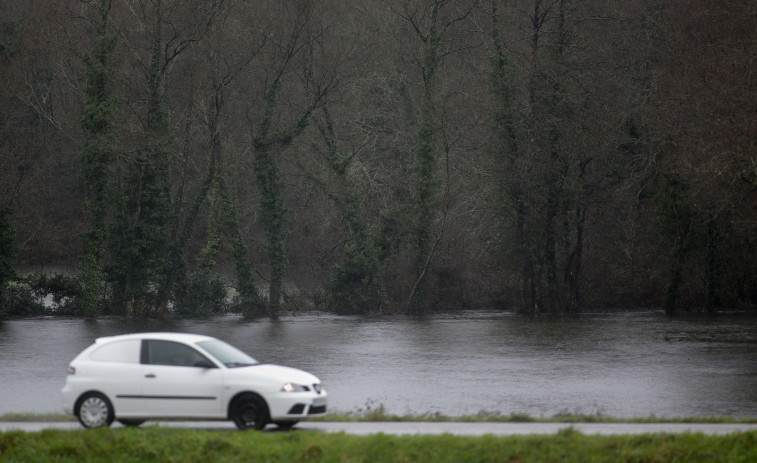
(380, 156)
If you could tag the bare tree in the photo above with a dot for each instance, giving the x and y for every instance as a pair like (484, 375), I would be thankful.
(274, 126)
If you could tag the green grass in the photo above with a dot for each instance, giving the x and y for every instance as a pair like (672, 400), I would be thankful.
(180, 445)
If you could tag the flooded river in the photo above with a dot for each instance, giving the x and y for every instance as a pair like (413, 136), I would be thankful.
(625, 365)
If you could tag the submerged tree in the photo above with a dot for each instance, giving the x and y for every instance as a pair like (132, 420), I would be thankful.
(290, 51)
(557, 218)
(223, 67)
(510, 160)
(8, 248)
(554, 144)
(431, 23)
(678, 225)
(356, 284)
(97, 156)
(142, 229)
(146, 226)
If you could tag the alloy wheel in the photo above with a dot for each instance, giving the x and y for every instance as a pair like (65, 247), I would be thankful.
(95, 412)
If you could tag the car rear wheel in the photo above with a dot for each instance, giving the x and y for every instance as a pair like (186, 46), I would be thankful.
(94, 411)
(249, 412)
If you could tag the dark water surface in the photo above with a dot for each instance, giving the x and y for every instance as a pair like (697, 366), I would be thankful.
(625, 365)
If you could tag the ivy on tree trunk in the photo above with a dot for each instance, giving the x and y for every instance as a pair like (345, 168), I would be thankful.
(96, 157)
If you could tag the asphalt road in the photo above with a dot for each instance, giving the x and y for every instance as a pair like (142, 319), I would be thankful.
(413, 428)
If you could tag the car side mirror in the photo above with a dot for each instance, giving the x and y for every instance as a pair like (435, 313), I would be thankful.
(204, 364)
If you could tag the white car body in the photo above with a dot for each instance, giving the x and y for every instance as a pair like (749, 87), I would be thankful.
(136, 377)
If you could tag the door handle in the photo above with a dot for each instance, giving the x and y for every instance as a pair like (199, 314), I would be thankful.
(149, 375)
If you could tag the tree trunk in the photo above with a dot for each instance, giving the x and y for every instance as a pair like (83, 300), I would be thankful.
(713, 265)
(97, 123)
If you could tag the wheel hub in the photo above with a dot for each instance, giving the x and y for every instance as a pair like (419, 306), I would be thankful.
(94, 412)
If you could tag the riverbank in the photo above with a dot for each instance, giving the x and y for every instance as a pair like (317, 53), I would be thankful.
(163, 444)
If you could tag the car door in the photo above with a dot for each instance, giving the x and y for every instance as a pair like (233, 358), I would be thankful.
(178, 381)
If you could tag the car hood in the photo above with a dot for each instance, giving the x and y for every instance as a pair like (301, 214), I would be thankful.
(276, 372)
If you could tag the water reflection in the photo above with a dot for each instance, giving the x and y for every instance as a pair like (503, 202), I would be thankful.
(623, 364)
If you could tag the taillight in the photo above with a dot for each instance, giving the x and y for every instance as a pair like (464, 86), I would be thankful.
(71, 370)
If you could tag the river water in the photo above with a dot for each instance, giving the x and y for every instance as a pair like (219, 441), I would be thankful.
(624, 364)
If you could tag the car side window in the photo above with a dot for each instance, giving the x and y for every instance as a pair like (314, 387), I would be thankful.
(170, 353)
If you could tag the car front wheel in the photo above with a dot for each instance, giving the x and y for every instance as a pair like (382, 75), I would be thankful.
(94, 411)
(249, 412)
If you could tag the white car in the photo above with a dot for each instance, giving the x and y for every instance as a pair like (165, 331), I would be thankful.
(136, 377)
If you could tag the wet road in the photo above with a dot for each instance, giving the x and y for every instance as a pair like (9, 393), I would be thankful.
(427, 428)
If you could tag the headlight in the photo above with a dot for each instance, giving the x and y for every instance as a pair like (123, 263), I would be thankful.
(291, 387)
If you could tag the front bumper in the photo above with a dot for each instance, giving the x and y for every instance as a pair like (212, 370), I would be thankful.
(297, 405)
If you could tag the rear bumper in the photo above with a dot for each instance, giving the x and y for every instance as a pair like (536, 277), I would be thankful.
(68, 399)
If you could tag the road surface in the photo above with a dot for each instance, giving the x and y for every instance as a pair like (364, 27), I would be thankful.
(413, 428)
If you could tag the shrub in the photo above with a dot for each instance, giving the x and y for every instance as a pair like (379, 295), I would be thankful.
(18, 300)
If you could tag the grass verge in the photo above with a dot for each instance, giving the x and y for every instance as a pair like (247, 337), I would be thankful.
(162, 445)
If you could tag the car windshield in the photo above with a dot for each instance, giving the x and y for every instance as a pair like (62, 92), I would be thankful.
(226, 354)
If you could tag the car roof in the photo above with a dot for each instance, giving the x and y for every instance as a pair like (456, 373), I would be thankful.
(164, 336)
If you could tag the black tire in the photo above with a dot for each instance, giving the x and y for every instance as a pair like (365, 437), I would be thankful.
(131, 423)
(94, 410)
(285, 424)
(249, 412)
